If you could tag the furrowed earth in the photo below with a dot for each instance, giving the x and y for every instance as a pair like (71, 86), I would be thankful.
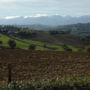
(39, 65)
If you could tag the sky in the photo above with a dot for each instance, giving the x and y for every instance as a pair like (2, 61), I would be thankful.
(37, 8)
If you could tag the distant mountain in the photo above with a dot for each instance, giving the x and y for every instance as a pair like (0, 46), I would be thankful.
(36, 26)
(46, 20)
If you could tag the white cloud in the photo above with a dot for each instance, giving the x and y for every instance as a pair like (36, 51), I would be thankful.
(11, 17)
(37, 15)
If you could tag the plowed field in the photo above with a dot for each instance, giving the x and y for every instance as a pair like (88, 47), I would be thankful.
(36, 65)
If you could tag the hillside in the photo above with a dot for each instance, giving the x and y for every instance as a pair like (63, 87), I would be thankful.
(77, 29)
(57, 39)
(53, 37)
(24, 44)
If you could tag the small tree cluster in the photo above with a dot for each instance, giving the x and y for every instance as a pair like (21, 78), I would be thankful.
(1, 46)
(1, 42)
(45, 46)
(26, 33)
(67, 48)
(32, 47)
(12, 44)
(88, 49)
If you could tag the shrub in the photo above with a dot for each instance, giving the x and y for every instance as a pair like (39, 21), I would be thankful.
(1, 42)
(12, 44)
(67, 48)
(45, 46)
(88, 49)
(32, 47)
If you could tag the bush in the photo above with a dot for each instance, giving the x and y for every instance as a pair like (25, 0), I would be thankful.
(12, 44)
(67, 48)
(45, 46)
(1, 42)
(32, 47)
(88, 49)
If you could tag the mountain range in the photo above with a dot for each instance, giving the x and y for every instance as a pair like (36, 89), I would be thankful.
(46, 21)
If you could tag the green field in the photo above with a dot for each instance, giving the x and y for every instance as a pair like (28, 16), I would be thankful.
(24, 44)
(5, 39)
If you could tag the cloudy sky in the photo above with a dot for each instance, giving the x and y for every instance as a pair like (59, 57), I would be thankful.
(44, 7)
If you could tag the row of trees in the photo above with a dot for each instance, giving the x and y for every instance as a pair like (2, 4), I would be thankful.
(56, 32)
(16, 31)
(26, 33)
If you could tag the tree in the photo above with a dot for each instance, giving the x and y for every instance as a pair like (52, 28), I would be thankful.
(67, 48)
(12, 44)
(32, 47)
(45, 46)
(1, 42)
(54, 32)
(88, 49)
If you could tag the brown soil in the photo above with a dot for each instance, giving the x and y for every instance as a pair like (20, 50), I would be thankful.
(36, 65)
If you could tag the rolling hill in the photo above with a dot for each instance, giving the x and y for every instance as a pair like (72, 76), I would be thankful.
(57, 39)
(24, 44)
(81, 29)
(62, 35)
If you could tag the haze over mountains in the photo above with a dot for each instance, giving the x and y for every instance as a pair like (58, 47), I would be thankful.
(45, 21)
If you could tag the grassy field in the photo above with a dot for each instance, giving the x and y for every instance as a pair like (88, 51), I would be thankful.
(20, 44)
(5, 39)
(24, 44)
(41, 44)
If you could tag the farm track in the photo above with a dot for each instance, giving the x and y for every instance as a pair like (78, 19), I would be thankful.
(36, 65)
